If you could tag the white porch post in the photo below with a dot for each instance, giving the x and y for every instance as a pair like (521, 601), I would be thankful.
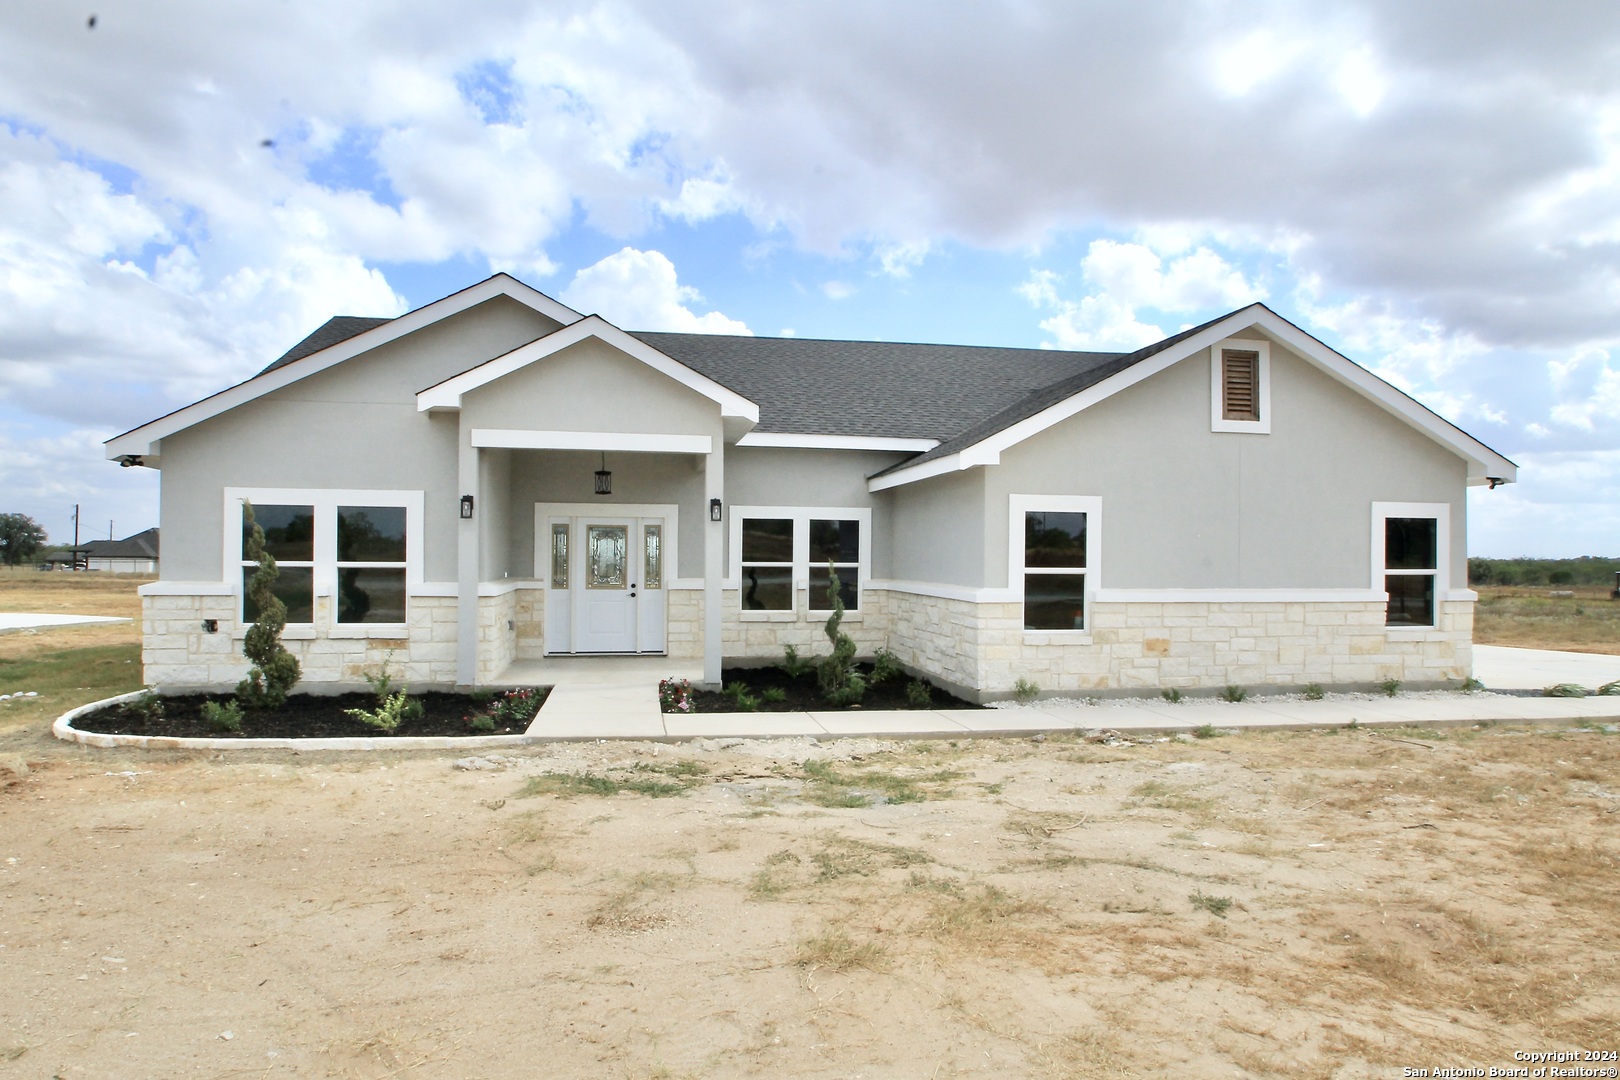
(467, 545)
(714, 540)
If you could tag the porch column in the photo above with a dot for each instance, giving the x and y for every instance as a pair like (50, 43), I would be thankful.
(714, 540)
(467, 545)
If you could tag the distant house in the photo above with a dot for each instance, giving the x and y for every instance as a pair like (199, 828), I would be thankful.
(136, 554)
(496, 477)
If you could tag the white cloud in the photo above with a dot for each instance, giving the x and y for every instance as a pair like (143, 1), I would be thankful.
(638, 290)
(1136, 276)
(837, 290)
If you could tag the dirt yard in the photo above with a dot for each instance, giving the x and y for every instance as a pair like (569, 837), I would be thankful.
(1342, 904)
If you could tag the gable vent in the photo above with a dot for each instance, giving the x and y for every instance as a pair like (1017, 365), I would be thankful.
(1240, 382)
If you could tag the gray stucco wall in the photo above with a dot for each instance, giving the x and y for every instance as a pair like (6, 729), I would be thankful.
(1185, 507)
(939, 530)
(354, 425)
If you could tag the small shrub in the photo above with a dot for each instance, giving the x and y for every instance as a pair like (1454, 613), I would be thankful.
(480, 723)
(773, 695)
(1025, 691)
(1472, 685)
(840, 683)
(885, 665)
(1609, 689)
(222, 715)
(387, 716)
(1171, 694)
(1215, 905)
(1313, 691)
(793, 663)
(741, 697)
(675, 695)
(148, 706)
(1564, 689)
(919, 694)
(1234, 694)
(514, 708)
(1208, 731)
(275, 670)
(1390, 687)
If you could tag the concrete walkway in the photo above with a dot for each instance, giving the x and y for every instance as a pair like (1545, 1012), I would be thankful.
(29, 620)
(617, 698)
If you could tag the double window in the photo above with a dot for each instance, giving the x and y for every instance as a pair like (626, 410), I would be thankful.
(1052, 549)
(778, 550)
(360, 547)
(1409, 553)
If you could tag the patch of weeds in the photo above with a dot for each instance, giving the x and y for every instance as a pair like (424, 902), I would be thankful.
(994, 789)
(1025, 691)
(828, 786)
(672, 768)
(919, 694)
(1565, 689)
(834, 950)
(1040, 824)
(1233, 693)
(601, 786)
(1171, 694)
(1390, 687)
(1473, 685)
(1215, 905)
(768, 882)
(625, 912)
(1313, 691)
(844, 857)
(1207, 731)
(222, 715)
(980, 914)
(921, 882)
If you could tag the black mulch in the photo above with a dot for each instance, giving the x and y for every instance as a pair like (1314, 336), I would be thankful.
(802, 694)
(308, 716)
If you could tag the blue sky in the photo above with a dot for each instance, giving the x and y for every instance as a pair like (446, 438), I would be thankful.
(187, 189)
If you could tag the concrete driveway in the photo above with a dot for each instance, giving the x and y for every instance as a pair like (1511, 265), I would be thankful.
(1503, 668)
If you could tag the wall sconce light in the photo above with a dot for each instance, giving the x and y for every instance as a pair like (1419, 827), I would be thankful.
(210, 626)
(466, 507)
(714, 509)
(604, 479)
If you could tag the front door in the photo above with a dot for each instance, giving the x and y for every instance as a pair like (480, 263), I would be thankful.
(605, 588)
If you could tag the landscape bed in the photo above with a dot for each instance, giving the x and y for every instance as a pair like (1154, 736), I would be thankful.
(320, 716)
(772, 689)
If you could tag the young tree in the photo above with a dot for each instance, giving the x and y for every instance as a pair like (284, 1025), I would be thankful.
(20, 538)
(275, 670)
(840, 683)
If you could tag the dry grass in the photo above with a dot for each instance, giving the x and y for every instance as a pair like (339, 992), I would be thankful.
(1530, 619)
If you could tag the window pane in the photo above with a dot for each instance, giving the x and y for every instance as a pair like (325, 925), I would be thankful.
(848, 588)
(653, 562)
(839, 541)
(1411, 600)
(1053, 539)
(767, 588)
(295, 587)
(371, 596)
(1410, 544)
(371, 534)
(559, 556)
(605, 550)
(767, 540)
(1054, 601)
(289, 531)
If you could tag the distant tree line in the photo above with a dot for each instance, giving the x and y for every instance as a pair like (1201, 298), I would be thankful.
(1586, 570)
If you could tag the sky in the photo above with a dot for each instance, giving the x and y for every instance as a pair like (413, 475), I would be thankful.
(188, 188)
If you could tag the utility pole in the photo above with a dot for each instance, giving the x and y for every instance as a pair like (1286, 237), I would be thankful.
(75, 524)
(109, 528)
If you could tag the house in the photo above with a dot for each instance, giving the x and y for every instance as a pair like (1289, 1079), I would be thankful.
(495, 477)
(137, 554)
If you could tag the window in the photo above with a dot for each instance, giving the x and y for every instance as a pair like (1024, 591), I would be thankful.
(652, 563)
(289, 538)
(1240, 386)
(767, 564)
(1054, 570)
(1409, 551)
(779, 551)
(1052, 561)
(559, 556)
(360, 548)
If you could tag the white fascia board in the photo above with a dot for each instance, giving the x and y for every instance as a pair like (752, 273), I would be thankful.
(635, 442)
(142, 440)
(448, 394)
(938, 467)
(837, 442)
(1483, 462)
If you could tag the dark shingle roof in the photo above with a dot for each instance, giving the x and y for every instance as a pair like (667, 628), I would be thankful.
(143, 545)
(337, 328)
(878, 388)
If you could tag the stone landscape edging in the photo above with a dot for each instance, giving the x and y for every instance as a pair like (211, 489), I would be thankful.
(63, 729)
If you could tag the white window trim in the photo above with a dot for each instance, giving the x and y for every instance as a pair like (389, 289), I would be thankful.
(801, 517)
(1217, 396)
(325, 502)
(1441, 513)
(1089, 505)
